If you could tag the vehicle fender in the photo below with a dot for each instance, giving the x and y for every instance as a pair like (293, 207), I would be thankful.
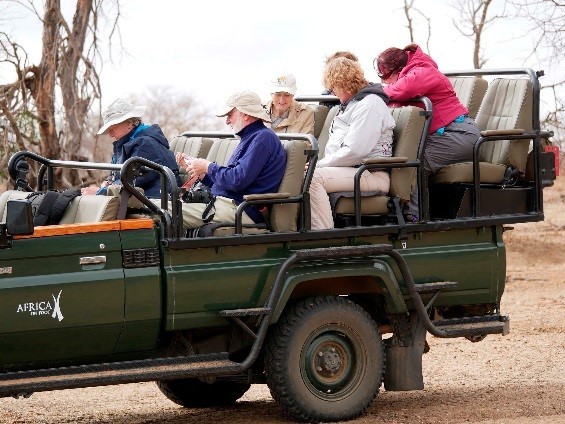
(384, 276)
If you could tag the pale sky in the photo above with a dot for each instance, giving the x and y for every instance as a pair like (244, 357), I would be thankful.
(213, 48)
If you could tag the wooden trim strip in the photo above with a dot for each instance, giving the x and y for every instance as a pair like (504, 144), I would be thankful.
(95, 227)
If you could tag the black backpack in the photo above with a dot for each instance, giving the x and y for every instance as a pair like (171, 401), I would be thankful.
(48, 207)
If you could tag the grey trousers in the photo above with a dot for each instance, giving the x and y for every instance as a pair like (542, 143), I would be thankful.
(453, 146)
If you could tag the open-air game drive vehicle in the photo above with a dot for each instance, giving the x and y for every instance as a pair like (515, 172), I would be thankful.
(118, 292)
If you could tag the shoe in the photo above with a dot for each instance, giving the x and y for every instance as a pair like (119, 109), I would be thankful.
(412, 218)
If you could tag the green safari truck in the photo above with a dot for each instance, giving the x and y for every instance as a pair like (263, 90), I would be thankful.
(118, 292)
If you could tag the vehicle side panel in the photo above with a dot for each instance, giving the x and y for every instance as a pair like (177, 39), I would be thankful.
(202, 281)
(54, 308)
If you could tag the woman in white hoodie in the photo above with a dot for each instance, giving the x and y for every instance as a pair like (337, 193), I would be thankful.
(361, 129)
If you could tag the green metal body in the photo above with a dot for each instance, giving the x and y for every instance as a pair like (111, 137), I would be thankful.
(109, 311)
(201, 282)
(103, 309)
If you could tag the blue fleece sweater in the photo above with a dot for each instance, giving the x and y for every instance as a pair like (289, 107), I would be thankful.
(256, 166)
(150, 143)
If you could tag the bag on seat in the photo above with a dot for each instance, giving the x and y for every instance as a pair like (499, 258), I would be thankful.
(49, 207)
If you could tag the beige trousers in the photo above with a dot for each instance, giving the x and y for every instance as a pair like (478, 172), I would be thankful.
(224, 212)
(334, 179)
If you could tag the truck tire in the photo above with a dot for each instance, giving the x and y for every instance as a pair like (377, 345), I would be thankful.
(194, 393)
(324, 360)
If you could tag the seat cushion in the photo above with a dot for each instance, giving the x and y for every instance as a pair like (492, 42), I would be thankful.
(373, 205)
(490, 173)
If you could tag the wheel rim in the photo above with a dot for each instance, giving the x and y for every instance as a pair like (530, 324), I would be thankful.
(331, 364)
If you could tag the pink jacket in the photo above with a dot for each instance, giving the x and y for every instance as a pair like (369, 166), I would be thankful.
(421, 77)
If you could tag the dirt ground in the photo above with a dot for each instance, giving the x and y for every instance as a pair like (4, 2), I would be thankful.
(516, 379)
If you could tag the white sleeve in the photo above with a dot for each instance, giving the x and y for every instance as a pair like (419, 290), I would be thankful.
(365, 129)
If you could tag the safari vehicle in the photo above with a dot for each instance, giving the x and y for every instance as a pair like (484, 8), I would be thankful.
(120, 293)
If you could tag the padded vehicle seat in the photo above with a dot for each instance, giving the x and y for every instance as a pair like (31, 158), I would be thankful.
(221, 150)
(82, 209)
(506, 110)
(282, 216)
(197, 147)
(407, 135)
(85, 209)
(325, 131)
(320, 114)
(470, 91)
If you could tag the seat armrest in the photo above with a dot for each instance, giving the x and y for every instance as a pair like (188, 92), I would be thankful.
(491, 133)
(266, 196)
(391, 159)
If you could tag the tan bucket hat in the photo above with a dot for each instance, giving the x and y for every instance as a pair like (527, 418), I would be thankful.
(120, 110)
(246, 102)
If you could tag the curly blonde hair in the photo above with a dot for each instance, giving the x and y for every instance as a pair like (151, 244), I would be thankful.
(346, 54)
(345, 74)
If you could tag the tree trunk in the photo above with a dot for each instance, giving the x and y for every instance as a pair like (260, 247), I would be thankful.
(44, 93)
(74, 105)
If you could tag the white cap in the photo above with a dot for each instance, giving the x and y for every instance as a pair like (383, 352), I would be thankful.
(284, 84)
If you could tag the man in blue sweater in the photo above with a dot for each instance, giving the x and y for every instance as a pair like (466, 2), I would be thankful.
(256, 166)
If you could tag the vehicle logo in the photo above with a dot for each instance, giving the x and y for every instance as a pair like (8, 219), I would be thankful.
(43, 307)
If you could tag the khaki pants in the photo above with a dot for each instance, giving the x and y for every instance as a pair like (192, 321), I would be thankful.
(224, 212)
(335, 179)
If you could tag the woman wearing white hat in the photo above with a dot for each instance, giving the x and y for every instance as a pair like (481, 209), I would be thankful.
(122, 122)
(286, 114)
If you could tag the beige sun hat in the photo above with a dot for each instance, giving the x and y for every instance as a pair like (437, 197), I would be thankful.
(284, 84)
(246, 102)
(120, 110)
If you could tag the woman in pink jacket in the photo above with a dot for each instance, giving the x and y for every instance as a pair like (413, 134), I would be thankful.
(408, 73)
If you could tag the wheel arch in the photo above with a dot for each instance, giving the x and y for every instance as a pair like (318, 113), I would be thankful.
(342, 279)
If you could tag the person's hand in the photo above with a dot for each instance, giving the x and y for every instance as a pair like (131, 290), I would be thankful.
(183, 159)
(198, 168)
(87, 191)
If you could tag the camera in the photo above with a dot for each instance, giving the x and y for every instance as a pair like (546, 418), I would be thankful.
(198, 193)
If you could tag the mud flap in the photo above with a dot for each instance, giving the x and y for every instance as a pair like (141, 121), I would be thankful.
(404, 358)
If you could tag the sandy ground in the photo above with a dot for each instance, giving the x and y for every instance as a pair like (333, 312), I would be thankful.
(516, 379)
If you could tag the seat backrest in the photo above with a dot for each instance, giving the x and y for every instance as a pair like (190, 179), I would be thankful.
(197, 147)
(407, 134)
(320, 114)
(325, 131)
(82, 209)
(86, 209)
(284, 216)
(470, 91)
(507, 105)
(221, 150)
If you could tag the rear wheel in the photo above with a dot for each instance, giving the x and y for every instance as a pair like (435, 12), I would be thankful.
(324, 360)
(194, 393)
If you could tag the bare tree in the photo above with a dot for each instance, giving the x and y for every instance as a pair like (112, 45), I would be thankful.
(473, 23)
(408, 8)
(46, 106)
(545, 23)
(175, 111)
(545, 26)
